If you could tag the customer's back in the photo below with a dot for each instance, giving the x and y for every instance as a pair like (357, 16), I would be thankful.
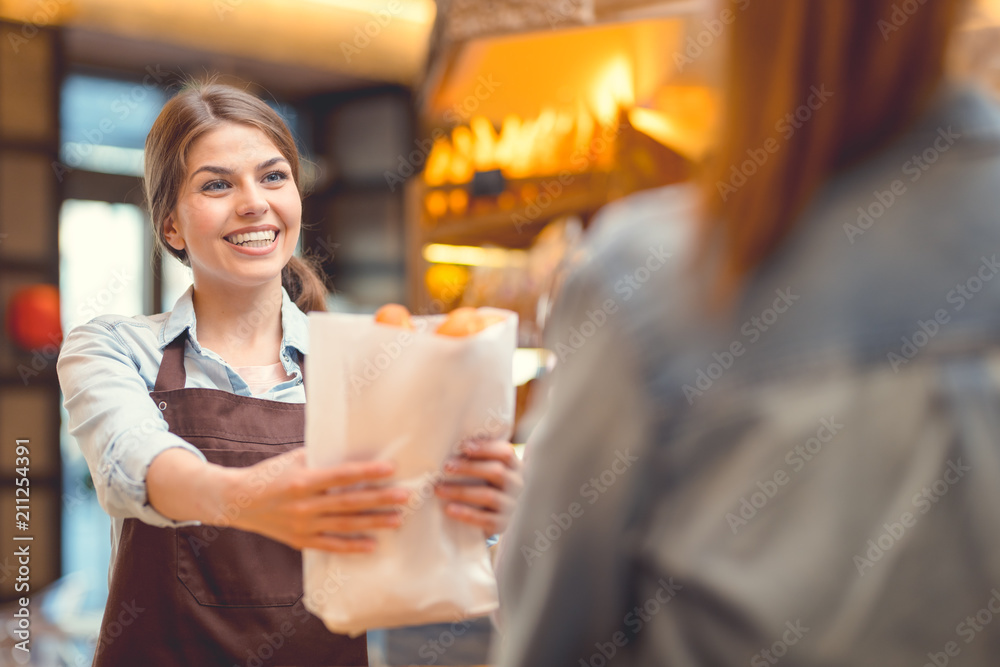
(808, 475)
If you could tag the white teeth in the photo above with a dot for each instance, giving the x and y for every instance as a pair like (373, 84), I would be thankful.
(253, 239)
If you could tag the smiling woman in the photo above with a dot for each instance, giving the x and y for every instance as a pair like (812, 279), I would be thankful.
(234, 148)
(192, 421)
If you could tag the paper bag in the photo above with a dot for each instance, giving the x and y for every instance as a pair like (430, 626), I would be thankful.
(379, 392)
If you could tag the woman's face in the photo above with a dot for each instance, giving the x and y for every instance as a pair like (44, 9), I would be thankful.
(239, 213)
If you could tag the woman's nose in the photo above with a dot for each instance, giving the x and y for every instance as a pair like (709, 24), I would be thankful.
(252, 203)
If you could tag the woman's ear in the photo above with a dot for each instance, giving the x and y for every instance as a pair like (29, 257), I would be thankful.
(171, 234)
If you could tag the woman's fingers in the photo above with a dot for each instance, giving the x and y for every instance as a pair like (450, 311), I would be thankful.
(317, 480)
(339, 544)
(485, 497)
(493, 461)
(490, 522)
(354, 523)
(492, 472)
(490, 505)
(361, 500)
(496, 450)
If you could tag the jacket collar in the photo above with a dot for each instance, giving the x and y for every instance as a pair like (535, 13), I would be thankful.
(294, 323)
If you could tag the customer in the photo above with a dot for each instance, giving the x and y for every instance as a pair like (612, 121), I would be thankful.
(781, 444)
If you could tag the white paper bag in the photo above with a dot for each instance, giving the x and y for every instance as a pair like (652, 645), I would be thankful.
(380, 392)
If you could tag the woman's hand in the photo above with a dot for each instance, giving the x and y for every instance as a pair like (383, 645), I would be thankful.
(488, 499)
(313, 508)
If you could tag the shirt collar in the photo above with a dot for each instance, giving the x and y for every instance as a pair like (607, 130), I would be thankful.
(294, 323)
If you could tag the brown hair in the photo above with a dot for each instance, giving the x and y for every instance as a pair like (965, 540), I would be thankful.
(199, 107)
(881, 59)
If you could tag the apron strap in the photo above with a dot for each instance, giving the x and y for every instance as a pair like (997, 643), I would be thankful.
(171, 374)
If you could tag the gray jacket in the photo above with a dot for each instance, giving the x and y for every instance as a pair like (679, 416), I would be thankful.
(814, 480)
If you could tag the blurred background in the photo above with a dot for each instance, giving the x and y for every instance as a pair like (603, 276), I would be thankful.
(454, 154)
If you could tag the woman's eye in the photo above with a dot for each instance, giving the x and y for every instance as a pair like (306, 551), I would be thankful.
(214, 186)
(276, 177)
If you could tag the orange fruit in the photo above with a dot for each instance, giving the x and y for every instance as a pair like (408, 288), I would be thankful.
(461, 322)
(394, 315)
(466, 322)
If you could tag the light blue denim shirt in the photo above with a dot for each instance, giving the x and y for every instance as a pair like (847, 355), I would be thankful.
(108, 366)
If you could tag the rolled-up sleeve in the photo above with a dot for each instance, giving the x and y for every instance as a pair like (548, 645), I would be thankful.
(117, 426)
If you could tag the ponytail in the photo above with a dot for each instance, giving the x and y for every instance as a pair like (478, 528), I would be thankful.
(301, 279)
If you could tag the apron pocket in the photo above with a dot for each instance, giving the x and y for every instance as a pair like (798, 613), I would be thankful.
(227, 567)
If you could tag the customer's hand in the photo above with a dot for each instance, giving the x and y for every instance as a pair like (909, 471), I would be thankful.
(487, 499)
(315, 508)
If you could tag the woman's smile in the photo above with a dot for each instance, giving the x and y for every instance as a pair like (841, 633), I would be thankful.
(253, 241)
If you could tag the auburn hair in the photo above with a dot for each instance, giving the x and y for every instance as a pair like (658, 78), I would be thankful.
(199, 107)
(866, 67)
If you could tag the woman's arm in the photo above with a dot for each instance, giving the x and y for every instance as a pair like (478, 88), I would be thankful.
(143, 471)
(280, 498)
(118, 428)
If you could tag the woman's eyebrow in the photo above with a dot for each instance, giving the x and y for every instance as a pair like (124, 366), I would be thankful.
(225, 171)
(272, 161)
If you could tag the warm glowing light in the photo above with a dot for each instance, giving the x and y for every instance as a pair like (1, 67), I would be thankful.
(613, 89)
(439, 253)
(446, 282)
(437, 170)
(484, 143)
(664, 129)
(436, 203)
(558, 138)
(458, 201)
(421, 12)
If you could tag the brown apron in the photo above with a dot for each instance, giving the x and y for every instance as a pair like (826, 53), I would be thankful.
(202, 595)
